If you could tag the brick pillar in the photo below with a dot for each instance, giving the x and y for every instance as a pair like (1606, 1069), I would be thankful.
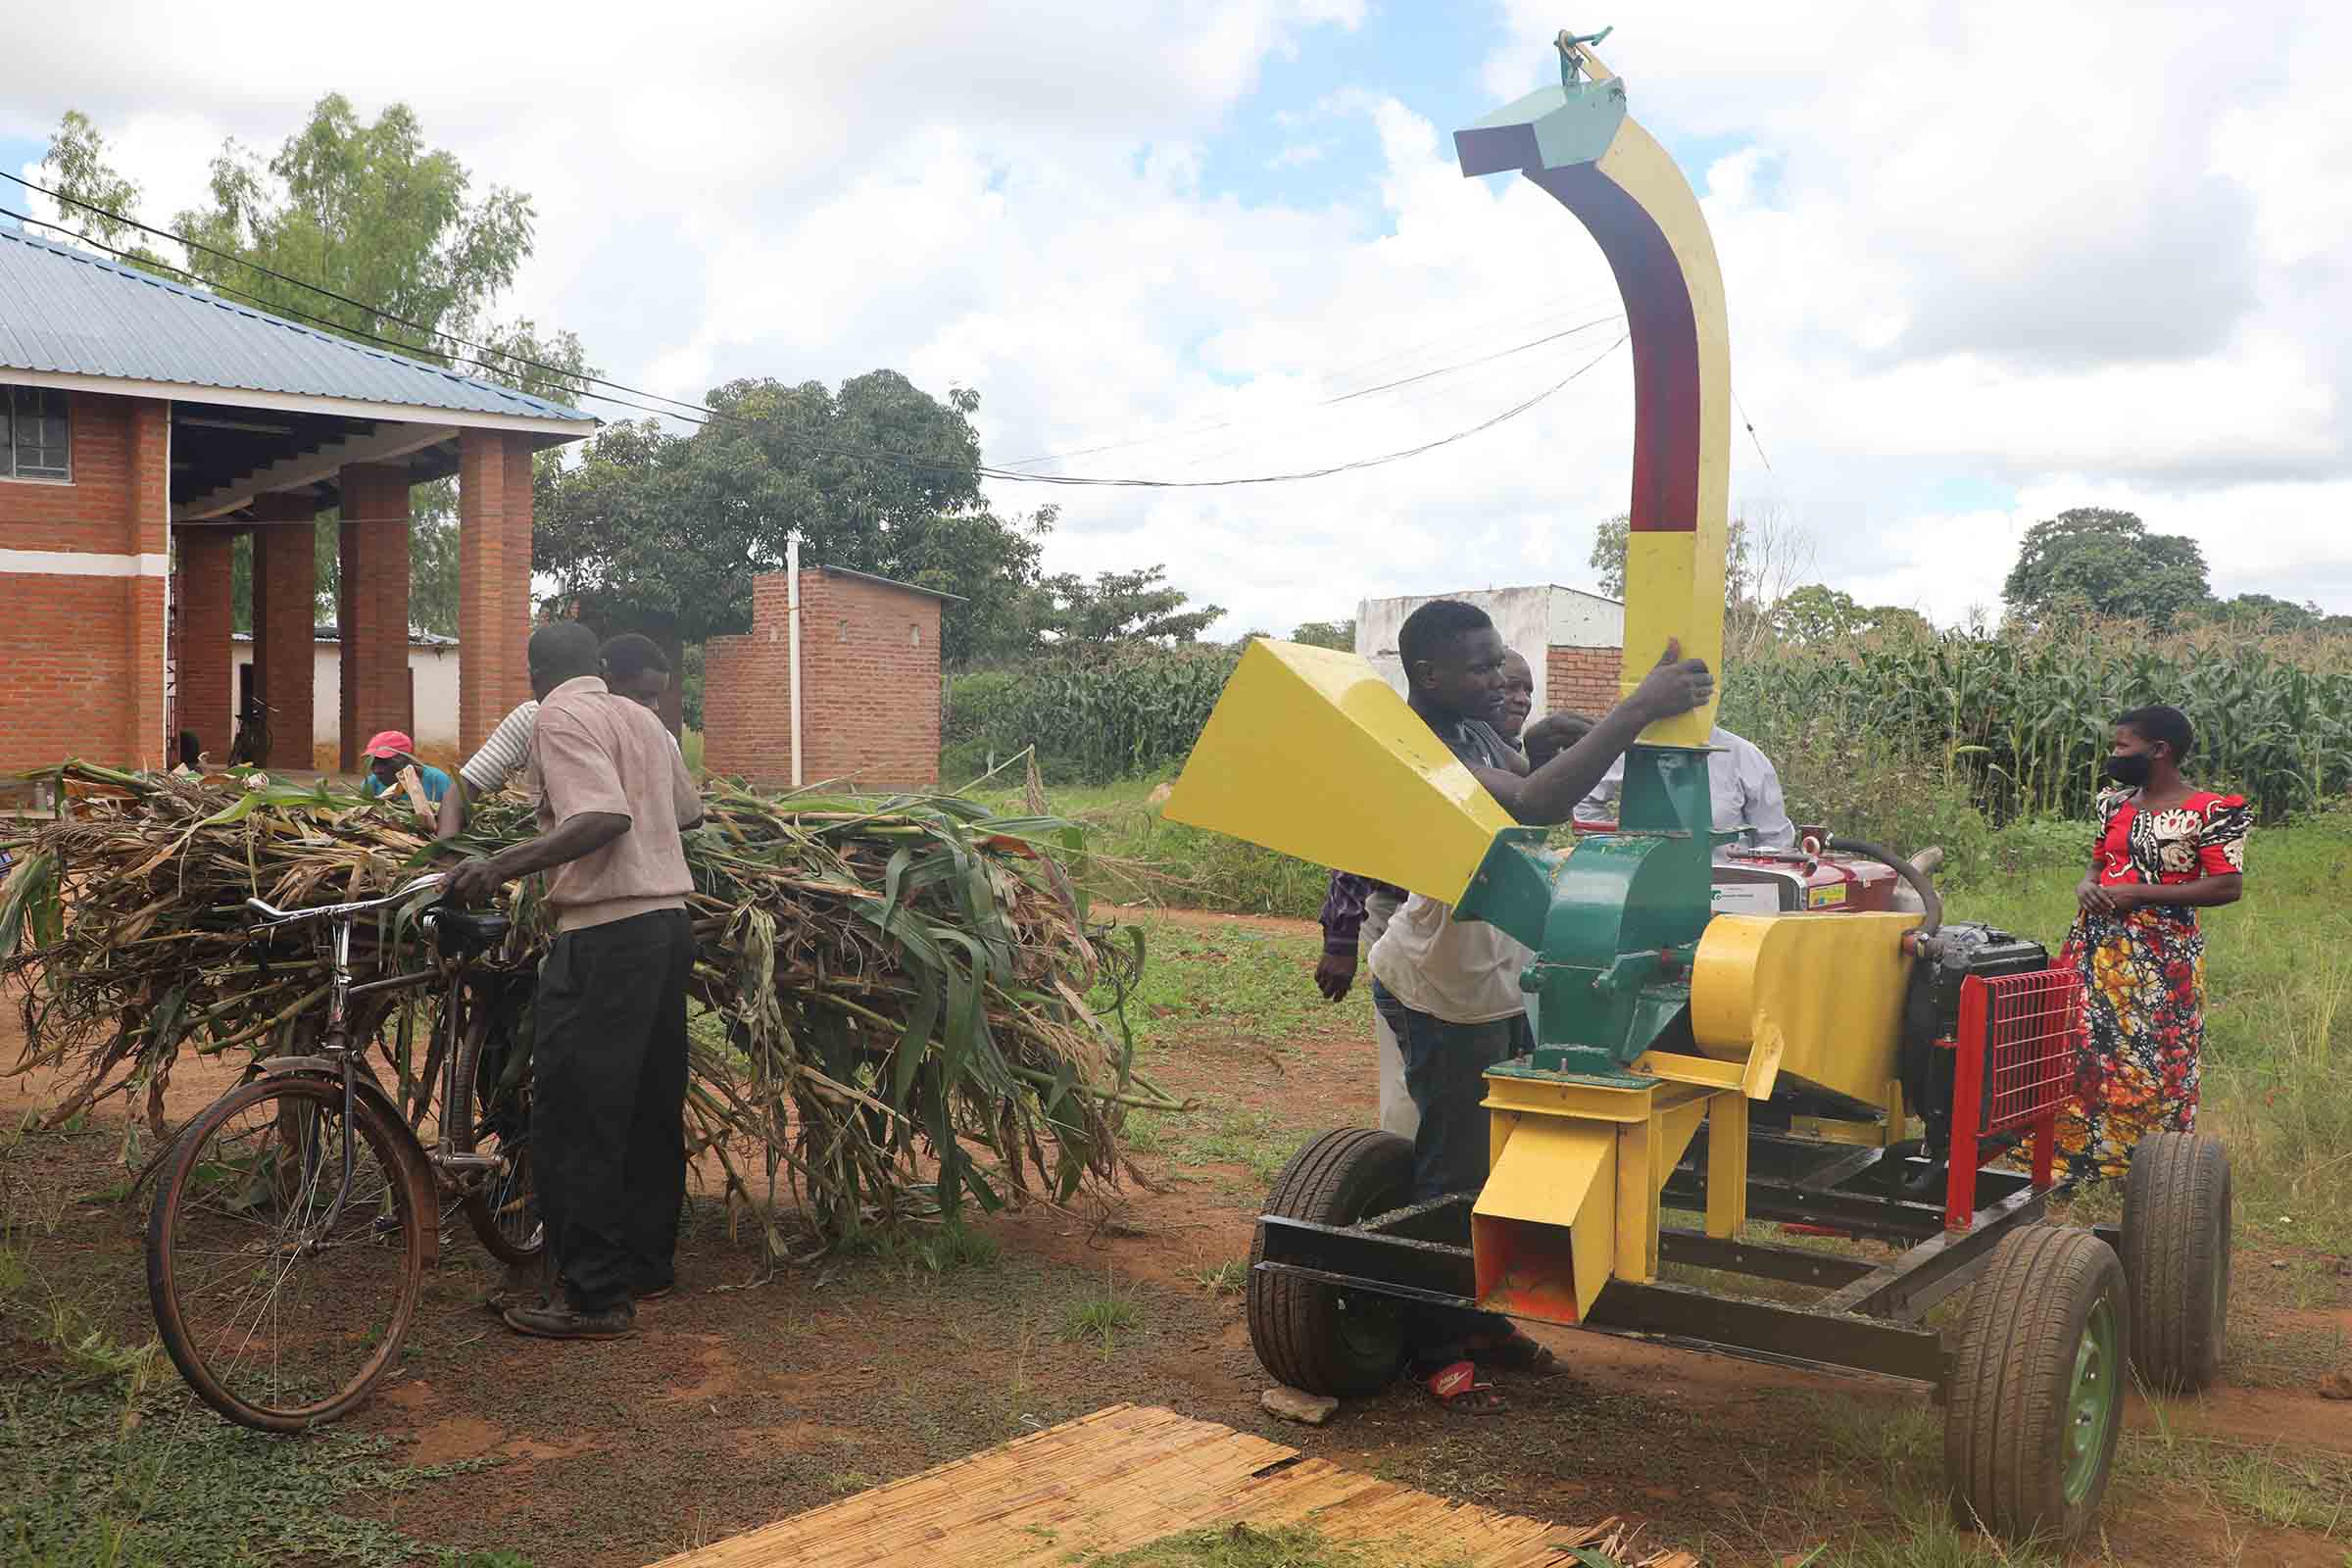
(517, 560)
(373, 608)
(147, 532)
(285, 589)
(483, 584)
(204, 655)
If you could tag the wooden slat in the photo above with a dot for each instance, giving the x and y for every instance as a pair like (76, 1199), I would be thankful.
(1120, 1478)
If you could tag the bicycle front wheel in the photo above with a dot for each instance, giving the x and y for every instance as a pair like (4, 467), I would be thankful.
(281, 1287)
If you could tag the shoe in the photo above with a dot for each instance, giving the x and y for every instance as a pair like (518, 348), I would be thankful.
(531, 1284)
(658, 1293)
(558, 1320)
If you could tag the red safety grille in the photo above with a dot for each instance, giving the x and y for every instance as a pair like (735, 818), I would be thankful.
(2028, 1025)
(2013, 1068)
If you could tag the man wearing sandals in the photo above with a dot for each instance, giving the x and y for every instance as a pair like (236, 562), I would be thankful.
(608, 1050)
(1449, 989)
(1357, 910)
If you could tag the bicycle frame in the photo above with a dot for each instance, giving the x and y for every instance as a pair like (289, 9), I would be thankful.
(337, 1057)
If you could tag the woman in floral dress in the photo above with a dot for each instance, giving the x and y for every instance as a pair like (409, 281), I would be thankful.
(2163, 851)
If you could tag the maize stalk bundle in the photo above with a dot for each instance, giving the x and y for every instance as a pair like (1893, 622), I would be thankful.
(894, 993)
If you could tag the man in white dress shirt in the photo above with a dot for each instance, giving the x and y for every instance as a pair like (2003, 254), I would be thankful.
(1745, 789)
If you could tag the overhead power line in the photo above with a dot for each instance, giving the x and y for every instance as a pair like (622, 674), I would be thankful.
(378, 312)
(710, 415)
(1324, 402)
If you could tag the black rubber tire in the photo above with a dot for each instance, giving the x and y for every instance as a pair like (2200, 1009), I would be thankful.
(2008, 1414)
(176, 1264)
(504, 1209)
(1316, 1336)
(2177, 1217)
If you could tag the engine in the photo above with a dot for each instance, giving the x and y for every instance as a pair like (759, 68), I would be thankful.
(1932, 1017)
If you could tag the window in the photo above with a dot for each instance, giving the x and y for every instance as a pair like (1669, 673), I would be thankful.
(34, 444)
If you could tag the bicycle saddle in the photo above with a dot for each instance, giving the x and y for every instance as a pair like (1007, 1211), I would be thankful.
(468, 930)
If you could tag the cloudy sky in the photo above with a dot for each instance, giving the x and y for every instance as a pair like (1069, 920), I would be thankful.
(1984, 262)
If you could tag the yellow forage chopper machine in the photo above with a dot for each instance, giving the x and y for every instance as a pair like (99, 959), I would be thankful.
(1735, 1067)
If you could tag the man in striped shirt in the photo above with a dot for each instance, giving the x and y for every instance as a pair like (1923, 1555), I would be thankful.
(634, 667)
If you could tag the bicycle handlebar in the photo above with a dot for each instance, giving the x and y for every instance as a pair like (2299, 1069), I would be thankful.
(274, 915)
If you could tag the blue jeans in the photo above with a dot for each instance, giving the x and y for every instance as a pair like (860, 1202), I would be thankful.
(1444, 1071)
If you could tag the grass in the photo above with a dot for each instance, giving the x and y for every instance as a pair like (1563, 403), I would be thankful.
(1232, 984)
(106, 1461)
(1102, 1318)
(1242, 1546)
(1139, 857)
(1226, 1278)
(128, 1476)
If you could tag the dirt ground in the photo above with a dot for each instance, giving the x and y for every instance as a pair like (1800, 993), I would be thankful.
(753, 1393)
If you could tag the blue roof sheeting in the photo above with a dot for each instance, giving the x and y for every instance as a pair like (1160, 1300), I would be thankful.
(67, 312)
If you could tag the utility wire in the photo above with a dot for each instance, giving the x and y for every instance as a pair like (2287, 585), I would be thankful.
(911, 460)
(1751, 431)
(1322, 403)
(339, 328)
(1350, 467)
(378, 312)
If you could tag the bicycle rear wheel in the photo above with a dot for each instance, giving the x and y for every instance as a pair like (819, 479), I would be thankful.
(493, 1117)
(281, 1291)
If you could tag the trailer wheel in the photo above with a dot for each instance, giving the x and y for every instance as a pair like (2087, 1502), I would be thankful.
(2177, 1209)
(1318, 1337)
(2037, 1395)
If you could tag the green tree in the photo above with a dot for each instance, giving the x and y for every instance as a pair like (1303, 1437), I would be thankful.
(1607, 560)
(1815, 612)
(1122, 606)
(1818, 613)
(2263, 613)
(1338, 634)
(372, 213)
(1611, 539)
(76, 167)
(2105, 562)
(664, 533)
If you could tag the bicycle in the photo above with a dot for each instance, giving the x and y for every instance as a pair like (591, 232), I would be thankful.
(251, 748)
(294, 1217)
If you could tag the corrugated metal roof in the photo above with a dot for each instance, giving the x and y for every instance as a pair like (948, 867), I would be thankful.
(890, 582)
(66, 311)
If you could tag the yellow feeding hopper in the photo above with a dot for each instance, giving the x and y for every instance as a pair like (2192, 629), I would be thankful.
(1311, 754)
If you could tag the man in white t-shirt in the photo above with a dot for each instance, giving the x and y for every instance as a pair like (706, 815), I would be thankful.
(1449, 989)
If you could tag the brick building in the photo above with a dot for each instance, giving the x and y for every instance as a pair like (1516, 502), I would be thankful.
(869, 684)
(143, 426)
(1573, 640)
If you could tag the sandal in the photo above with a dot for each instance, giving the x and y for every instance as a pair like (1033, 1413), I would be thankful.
(1457, 1387)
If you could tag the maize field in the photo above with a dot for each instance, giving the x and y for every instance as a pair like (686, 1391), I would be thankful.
(2024, 722)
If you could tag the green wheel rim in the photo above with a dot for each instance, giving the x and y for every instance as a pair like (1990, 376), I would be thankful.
(2091, 1402)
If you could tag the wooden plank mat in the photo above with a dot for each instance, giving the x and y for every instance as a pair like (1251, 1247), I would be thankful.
(1122, 1477)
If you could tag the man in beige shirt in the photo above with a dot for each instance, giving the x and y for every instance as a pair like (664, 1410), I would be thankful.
(608, 1052)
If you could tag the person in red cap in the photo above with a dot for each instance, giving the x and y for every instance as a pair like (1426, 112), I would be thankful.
(391, 752)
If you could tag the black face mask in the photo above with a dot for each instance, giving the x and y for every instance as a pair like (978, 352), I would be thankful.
(2130, 770)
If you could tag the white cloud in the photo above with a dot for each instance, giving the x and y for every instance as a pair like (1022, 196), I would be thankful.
(2091, 256)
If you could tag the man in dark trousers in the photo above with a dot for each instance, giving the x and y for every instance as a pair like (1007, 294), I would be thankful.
(1448, 988)
(609, 1052)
